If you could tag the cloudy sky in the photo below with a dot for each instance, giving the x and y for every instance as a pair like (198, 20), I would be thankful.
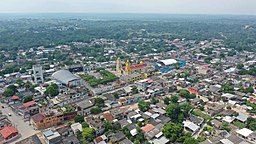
(247, 7)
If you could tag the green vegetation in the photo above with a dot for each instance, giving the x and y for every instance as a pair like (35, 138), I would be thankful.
(251, 123)
(239, 124)
(96, 110)
(251, 71)
(253, 110)
(99, 102)
(93, 82)
(247, 90)
(240, 66)
(173, 131)
(199, 113)
(79, 119)
(154, 101)
(143, 106)
(225, 126)
(177, 112)
(52, 90)
(137, 139)
(27, 99)
(111, 127)
(10, 91)
(227, 88)
(186, 94)
(69, 108)
(88, 134)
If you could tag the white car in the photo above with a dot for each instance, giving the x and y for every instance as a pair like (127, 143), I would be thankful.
(9, 114)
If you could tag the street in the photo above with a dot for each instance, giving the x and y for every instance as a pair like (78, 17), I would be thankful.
(23, 127)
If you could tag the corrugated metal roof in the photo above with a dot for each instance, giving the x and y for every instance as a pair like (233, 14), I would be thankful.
(64, 76)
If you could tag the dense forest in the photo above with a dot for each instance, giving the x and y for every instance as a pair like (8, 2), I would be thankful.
(26, 32)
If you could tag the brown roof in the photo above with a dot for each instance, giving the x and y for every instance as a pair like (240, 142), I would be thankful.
(38, 117)
(147, 128)
(108, 117)
(98, 139)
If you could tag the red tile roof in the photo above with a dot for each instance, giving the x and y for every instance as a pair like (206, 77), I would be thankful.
(138, 66)
(147, 128)
(29, 103)
(7, 131)
(15, 97)
(192, 90)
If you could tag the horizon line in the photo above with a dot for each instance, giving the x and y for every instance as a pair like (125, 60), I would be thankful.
(145, 13)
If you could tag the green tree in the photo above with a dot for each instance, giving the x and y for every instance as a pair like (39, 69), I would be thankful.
(79, 119)
(88, 133)
(10, 91)
(135, 90)
(20, 83)
(143, 106)
(52, 90)
(96, 110)
(240, 66)
(153, 101)
(190, 140)
(172, 131)
(167, 100)
(27, 99)
(85, 125)
(251, 123)
(99, 102)
(225, 126)
(174, 99)
(173, 111)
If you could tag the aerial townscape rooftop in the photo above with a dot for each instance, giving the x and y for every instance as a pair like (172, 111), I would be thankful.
(127, 78)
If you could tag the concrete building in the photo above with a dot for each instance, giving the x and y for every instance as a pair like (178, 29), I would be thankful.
(38, 74)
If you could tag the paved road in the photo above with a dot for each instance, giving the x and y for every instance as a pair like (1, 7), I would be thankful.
(24, 128)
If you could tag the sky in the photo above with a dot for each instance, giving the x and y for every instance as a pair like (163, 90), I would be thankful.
(234, 7)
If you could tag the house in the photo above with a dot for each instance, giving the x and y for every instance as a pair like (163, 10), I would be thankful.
(216, 123)
(84, 106)
(147, 128)
(117, 137)
(76, 127)
(100, 139)
(97, 124)
(151, 134)
(125, 141)
(8, 133)
(30, 140)
(52, 137)
(161, 140)
(247, 134)
(29, 108)
(214, 108)
(14, 99)
(108, 117)
(242, 117)
(190, 127)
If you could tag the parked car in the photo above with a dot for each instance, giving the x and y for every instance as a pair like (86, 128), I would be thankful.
(9, 114)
